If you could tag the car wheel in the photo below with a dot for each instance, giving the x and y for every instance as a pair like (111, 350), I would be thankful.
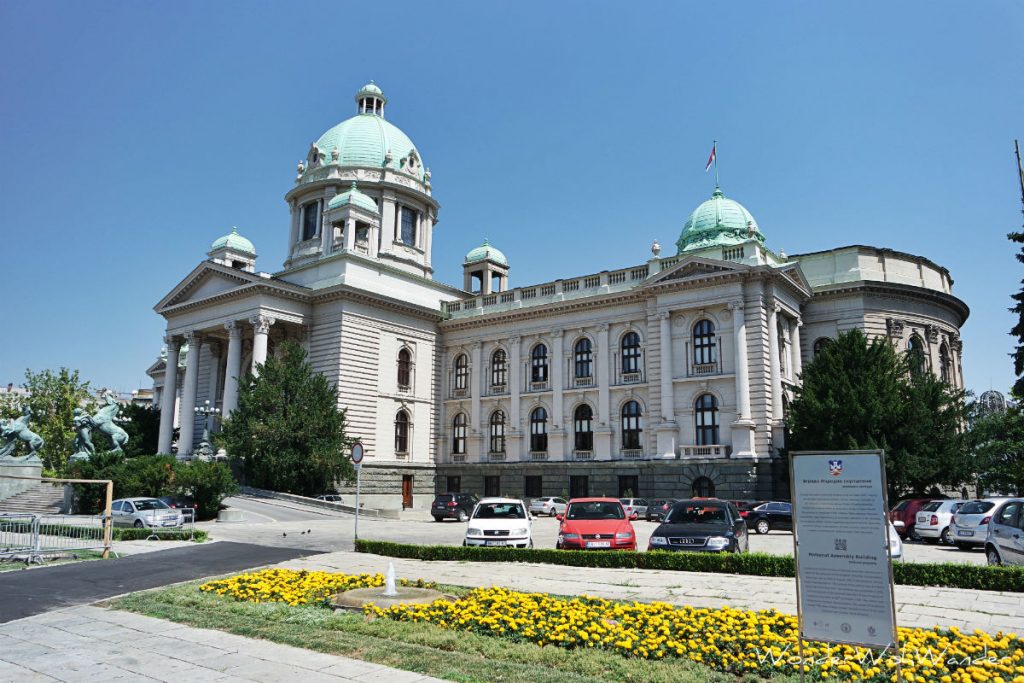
(437, 519)
(552, 513)
(139, 524)
(463, 516)
(992, 555)
(962, 546)
(762, 526)
(913, 535)
(944, 537)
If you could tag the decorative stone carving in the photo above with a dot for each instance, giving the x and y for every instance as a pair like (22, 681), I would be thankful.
(894, 326)
(933, 333)
(13, 431)
(656, 249)
(335, 154)
(261, 323)
(234, 329)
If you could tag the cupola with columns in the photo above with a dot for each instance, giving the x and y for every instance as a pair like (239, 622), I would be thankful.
(234, 251)
(389, 217)
(485, 270)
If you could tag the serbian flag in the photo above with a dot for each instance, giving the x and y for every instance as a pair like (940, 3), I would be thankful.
(711, 159)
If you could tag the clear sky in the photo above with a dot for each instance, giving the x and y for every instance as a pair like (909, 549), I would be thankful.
(571, 134)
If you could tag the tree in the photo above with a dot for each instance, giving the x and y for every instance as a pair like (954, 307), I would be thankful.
(143, 429)
(287, 431)
(860, 395)
(53, 397)
(996, 440)
(1018, 329)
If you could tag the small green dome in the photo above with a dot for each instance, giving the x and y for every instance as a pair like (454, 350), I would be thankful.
(719, 221)
(356, 198)
(234, 241)
(371, 89)
(485, 252)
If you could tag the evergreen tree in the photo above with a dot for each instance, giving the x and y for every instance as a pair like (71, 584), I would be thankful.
(1018, 329)
(287, 431)
(861, 395)
(997, 442)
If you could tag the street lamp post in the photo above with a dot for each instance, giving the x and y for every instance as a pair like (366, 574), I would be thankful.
(208, 412)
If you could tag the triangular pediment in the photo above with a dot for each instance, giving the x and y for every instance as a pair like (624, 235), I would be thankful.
(696, 267)
(205, 281)
(794, 274)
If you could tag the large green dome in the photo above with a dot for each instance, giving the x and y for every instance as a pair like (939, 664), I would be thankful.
(719, 221)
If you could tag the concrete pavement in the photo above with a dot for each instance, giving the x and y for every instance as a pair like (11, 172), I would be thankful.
(916, 606)
(94, 644)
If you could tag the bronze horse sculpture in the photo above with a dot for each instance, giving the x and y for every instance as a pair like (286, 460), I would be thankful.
(13, 431)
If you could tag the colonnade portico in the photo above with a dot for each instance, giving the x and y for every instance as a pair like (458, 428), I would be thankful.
(223, 388)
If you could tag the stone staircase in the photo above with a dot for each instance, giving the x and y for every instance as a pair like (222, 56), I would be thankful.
(42, 499)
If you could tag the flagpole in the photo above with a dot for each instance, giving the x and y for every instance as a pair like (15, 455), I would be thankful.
(714, 146)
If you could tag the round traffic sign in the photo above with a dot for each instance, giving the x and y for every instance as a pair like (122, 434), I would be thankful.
(357, 453)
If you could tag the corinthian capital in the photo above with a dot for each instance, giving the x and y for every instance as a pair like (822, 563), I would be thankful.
(234, 329)
(261, 323)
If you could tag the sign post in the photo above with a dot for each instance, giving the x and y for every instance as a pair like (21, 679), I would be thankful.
(357, 462)
(844, 579)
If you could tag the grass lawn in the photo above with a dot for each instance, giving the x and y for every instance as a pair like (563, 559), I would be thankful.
(78, 556)
(452, 655)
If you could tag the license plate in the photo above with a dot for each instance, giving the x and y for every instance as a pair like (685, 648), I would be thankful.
(495, 542)
(922, 519)
(171, 523)
(599, 544)
(964, 532)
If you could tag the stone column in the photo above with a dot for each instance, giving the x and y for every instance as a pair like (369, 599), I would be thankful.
(557, 379)
(667, 430)
(233, 369)
(743, 427)
(188, 397)
(797, 362)
(773, 357)
(515, 369)
(476, 382)
(603, 375)
(261, 330)
(215, 381)
(170, 395)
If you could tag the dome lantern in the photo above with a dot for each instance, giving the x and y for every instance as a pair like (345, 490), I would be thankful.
(370, 100)
(234, 251)
(485, 270)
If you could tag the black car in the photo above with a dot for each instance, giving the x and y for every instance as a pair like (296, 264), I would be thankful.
(764, 516)
(702, 525)
(657, 509)
(187, 505)
(453, 506)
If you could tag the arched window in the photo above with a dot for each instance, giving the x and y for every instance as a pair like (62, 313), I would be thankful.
(497, 432)
(631, 352)
(915, 355)
(539, 430)
(705, 350)
(402, 432)
(499, 368)
(404, 369)
(582, 419)
(461, 372)
(631, 425)
(945, 368)
(819, 344)
(459, 434)
(706, 417)
(584, 356)
(703, 488)
(539, 363)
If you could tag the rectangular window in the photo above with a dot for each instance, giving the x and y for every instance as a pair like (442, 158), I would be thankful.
(579, 486)
(492, 485)
(454, 484)
(532, 486)
(362, 233)
(629, 486)
(310, 220)
(409, 226)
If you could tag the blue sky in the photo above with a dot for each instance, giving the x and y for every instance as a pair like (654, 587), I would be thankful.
(571, 134)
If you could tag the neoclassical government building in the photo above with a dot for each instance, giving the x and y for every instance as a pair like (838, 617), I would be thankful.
(666, 378)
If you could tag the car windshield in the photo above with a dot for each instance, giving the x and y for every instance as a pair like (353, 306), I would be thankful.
(499, 511)
(976, 507)
(696, 514)
(150, 505)
(932, 506)
(595, 510)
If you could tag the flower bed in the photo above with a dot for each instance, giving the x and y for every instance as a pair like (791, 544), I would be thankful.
(730, 640)
(296, 587)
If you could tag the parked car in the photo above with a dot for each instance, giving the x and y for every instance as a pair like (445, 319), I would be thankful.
(549, 506)
(658, 508)
(765, 516)
(634, 507)
(895, 544)
(145, 512)
(453, 506)
(330, 498)
(187, 504)
(500, 522)
(970, 523)
(904, 515)
(595, 523)
(934, 520)
(1004, 543)
(702, 525)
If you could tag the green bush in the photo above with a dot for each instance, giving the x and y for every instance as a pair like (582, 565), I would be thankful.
(208, 483)
(974, 577)
(133, 534)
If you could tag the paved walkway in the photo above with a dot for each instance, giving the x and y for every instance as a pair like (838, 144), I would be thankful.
(91, 644)
(925, 607)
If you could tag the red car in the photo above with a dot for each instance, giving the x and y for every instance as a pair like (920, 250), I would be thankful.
(904, 515)
(595, 524)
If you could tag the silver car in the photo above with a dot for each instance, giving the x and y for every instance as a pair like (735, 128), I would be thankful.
(548, 505)
(145, 512)
(934, 520)
(635, 507)
(1005, 541)
(970, 523)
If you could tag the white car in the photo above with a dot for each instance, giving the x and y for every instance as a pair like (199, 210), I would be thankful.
(933, 521)
(144, 512)
(549, 506)
(500, 522)
(970, 524)
(895, 544)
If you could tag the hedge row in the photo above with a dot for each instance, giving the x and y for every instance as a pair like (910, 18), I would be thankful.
(1010, 579)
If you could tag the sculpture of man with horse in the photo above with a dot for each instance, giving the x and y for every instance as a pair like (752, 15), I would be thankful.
(103, 420)
(13, 431)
